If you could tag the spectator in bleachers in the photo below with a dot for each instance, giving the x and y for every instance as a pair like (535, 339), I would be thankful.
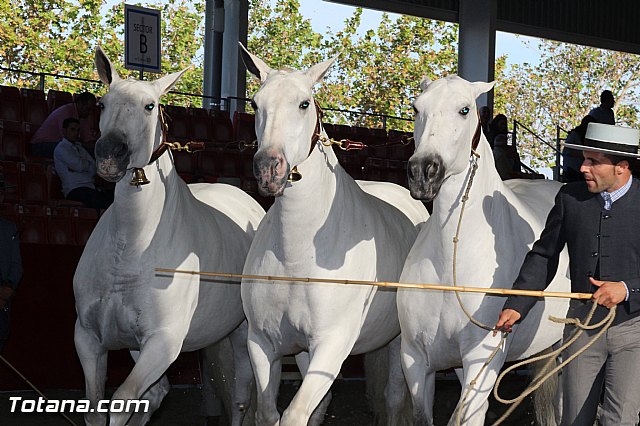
(46, 138)
(77, 169)
(572, 158)
(10, 268)
(604, 113)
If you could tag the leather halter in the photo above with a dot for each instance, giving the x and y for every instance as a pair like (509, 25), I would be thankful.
(316, 131)
(161, 149)
(476, 136)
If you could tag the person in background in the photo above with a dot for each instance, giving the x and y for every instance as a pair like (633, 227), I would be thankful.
(10, 268)
(604, 112)
(45, 139)
(572, 158)
(597, 219)
(77, 169)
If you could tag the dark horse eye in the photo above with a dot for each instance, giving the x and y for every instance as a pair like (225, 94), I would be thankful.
(304, 105)
(464, 111)
(100, 105)
(149, 107)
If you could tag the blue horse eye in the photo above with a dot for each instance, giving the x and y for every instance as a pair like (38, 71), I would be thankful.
(304, 105)
(150, 106)
(464, 111)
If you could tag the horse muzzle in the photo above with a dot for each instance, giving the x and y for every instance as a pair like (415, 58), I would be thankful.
(271, 170)
(426, 175)
(112, 158)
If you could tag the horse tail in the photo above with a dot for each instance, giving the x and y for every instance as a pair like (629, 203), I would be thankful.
(545, 398)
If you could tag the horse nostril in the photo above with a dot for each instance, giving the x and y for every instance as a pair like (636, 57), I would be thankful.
(122, 150)
(431, 170)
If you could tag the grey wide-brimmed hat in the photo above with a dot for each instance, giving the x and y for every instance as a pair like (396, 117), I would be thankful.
(610, 139)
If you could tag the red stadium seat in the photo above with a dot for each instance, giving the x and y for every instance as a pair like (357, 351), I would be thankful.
(200, 124)
(178, 122)
(60, 226)
(184, 161)
(221, 128)
(244, 127)
(8, 212)
(57, 98)
(84, 220)
(208, 163)
(9, 170)
(12, 140)
(231, 164)
(34, 188)
(34, 106)
(10, 104)
(32, 224)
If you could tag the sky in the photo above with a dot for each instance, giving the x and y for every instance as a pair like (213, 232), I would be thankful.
(323, 15)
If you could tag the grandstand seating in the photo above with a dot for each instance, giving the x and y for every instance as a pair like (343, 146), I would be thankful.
(57, 98)
(37, 204)
(34, 106)
(10, 104)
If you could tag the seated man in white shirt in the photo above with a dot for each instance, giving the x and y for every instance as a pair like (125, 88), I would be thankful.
(77, 169)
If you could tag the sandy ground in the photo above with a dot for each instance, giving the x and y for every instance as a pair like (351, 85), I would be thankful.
(182, 406)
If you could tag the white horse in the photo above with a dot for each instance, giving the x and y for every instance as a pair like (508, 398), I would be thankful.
(501, 221)
(120, 300)
(324, 225)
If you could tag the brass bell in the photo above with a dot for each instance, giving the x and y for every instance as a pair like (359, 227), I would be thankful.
(294, 175)
(139, 177)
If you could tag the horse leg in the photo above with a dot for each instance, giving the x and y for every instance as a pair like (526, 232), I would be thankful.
(396, 390)
(93, 358)
(243, 378)
(421, 381)
(326, 360)
(156, 355)
(477, 386)
(155, 394)
(267, 366)
(302, 359)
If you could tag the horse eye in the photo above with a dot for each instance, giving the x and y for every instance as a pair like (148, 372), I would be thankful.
(304, 105)
(464, 111)
(100, 105)
(254, 105)
(149, 107)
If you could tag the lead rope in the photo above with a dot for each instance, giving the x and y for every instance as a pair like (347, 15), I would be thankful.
(544, 374)
(474, 167)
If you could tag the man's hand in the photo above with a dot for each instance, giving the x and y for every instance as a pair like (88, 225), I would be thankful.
(508, 317)
(609, 293)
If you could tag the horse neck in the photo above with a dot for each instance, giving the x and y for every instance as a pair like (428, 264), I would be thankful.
(138, 211)
(305, 204)
(448, 203)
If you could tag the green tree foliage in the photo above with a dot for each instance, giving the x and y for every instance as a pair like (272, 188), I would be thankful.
(60, 36)
(377, 72)
(563, 87)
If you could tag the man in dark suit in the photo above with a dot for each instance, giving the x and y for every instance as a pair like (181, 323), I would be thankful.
(598, 220)
(10, 268)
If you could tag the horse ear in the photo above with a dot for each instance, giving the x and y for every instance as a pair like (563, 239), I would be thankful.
(166, 83)
(106, 72)
(255, 65)
(316, 73)
(424, 83)
(480, 87)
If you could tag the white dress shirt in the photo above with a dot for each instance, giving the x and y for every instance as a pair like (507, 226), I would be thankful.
(74, 165)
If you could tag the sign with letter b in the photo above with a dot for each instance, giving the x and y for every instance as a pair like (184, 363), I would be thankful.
(142, 31)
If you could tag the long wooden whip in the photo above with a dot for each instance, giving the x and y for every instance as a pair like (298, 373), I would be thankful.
(392, 284)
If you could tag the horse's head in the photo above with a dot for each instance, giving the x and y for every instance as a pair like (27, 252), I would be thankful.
(286, 120)
(446, 121)
(129, 120)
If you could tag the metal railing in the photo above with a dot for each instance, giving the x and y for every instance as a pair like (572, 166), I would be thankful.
(556, 168)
